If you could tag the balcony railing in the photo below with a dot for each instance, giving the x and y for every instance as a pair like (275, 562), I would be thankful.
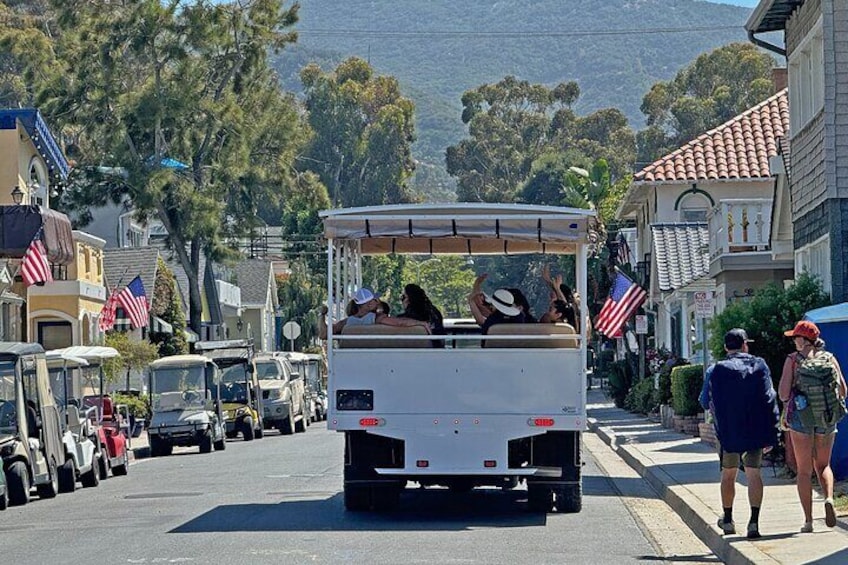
(739, 225)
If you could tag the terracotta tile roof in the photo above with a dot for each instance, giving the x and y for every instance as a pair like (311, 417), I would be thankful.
(737, 149)
(682, 253)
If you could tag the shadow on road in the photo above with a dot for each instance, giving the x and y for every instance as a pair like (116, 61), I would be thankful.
(420, 510)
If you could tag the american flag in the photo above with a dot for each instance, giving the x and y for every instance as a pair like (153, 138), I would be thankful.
(134, 302)
(35, 268)
(108, 313)
(624, 298)
(623, 250)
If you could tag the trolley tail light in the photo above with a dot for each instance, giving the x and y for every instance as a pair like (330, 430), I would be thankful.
(541, 422)
(367, 422)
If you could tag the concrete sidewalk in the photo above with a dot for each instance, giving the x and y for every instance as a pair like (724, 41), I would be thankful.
(685, 472)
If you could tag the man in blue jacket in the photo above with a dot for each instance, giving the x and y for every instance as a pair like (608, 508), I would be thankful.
(739, 392)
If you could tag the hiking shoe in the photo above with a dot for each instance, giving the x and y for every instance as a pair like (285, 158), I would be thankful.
(829, 513)
(753, 530)
(727, 528)
(807, 528)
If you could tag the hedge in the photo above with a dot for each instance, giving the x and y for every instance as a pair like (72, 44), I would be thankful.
(686, 384)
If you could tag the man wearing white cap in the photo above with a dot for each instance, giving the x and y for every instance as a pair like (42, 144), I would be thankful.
(365, 314)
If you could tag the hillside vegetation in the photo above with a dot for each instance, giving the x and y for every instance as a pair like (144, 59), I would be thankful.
(614, 49)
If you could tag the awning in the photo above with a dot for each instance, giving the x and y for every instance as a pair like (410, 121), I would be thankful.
(19, 225)
(160, 326)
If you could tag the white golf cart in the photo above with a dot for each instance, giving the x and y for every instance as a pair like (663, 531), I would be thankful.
(185, 405)
(464, 415)
(79, 435)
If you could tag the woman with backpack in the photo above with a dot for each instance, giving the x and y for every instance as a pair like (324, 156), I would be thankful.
(813, 391)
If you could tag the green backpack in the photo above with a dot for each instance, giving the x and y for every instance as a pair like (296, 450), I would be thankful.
(818, 381)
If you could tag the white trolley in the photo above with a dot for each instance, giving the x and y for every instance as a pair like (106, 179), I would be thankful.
(462, 416)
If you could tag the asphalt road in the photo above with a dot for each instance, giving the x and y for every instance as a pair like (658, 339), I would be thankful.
(277, 500)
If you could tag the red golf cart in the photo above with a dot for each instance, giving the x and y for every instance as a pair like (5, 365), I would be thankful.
(111, 420)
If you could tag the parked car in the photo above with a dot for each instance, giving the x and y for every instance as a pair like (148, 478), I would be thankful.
(282, 395)
(185, 406)
(30, 428)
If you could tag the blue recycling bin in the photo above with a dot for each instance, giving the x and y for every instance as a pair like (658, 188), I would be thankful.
(833, 323)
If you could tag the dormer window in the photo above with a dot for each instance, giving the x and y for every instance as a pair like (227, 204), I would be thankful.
(694, 208)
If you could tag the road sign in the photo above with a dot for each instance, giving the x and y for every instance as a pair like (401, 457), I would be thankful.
(291, 330)
(641, 324)
(704, 304)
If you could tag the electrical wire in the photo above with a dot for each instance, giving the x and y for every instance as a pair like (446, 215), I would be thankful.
(324, 32)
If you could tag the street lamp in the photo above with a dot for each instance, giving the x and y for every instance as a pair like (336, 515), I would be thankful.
(239, 325)
(17, 195)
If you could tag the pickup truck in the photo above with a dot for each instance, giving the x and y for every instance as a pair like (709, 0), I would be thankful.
(283, 398)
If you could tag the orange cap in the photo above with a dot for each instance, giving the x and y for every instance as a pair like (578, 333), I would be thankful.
(805, 329)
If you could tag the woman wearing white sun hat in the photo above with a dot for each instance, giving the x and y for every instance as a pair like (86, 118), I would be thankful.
(500, 308)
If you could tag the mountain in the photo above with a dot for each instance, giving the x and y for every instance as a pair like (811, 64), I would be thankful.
(438, 49)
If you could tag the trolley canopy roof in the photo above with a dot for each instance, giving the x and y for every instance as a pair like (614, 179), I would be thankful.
(465, 228)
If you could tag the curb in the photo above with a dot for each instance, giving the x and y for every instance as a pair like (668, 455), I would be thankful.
(697, 516)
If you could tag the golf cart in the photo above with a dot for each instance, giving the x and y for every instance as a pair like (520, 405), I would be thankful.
(4, 492)
(310, 368)
(83, 456)
(184, 405)
(30, 427)
(315, 381)
(241, 397)
(111, 422)
(283, 399)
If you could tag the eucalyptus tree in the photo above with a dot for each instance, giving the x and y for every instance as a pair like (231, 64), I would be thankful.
(513, 124)
(176, 101)
(714, 88)
(364, 129)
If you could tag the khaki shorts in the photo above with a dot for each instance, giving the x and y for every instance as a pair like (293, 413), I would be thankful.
(752, 459)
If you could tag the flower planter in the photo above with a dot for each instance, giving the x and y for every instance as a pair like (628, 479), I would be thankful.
(707, 433)
(687, 424)
(667, 416)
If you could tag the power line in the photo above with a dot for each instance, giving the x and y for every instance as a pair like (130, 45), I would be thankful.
(327, 32)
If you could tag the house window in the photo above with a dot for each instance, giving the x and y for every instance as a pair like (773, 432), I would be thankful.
(814, 259)
(59, 272)
(694, 208)
(806, 79)
(55, 335)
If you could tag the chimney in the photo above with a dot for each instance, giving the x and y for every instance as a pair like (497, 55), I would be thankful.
(780, 78)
